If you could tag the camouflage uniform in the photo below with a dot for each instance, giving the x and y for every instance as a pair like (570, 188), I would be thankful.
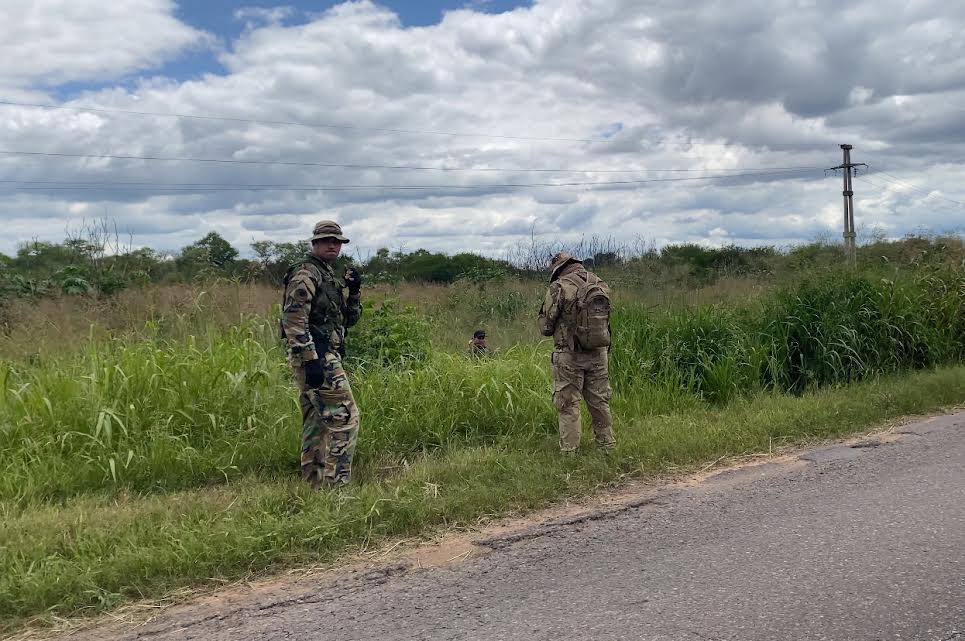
(576, 374)
(315, 315)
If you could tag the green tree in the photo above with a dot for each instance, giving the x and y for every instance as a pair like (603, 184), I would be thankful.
(42, 258)
(275, 258)
(212, 249)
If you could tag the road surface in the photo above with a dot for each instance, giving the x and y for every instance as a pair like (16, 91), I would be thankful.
(844, 543)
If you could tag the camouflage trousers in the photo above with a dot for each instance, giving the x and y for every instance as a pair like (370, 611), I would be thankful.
(576, 376)
(330, 425)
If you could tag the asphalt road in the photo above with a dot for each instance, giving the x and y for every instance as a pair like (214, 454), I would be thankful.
(848, 543)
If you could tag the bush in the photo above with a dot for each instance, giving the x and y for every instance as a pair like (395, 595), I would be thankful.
(706, 262)
(389, 335)
(422, 265)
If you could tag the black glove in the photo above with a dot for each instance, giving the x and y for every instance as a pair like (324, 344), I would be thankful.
(353, 280)
(314, 374)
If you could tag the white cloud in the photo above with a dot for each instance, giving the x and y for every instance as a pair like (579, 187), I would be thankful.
(768, 82)
(47, 42)
(255, 16)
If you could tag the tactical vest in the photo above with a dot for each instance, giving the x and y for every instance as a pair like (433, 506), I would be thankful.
(326, 324)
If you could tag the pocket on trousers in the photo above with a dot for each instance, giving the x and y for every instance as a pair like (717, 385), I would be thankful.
(564, 392)
(331, 405)
(336, 414)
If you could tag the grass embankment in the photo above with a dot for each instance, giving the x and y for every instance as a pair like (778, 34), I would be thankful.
(147, 463)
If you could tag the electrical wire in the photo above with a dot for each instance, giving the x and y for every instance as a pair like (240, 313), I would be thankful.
(866, 179)
(318, 125)
(201, 187)
(901, 183)
(295, 163)
(885, 185)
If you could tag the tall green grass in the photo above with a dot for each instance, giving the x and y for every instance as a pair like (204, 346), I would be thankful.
(146, 414)
(154, 413)
(119, 458)
(95, 551)
(847, 327)
(835, 328)
(165, 415)
(708, 351)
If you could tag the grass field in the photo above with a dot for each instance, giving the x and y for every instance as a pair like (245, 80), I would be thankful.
(159, 449)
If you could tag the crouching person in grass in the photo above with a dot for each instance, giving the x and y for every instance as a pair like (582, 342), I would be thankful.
(477, 344)
(576, 313)
(315, 315)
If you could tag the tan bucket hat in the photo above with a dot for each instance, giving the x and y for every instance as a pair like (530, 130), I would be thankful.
(328, 229)
(559, 261)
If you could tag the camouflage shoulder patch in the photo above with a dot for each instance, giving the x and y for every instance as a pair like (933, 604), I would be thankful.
(302, 286)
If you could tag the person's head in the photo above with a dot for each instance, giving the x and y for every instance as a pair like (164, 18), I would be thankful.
(479, 337)
(327, 240)
(558, 262)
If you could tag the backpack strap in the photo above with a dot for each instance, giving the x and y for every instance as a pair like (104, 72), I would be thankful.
(568, 317)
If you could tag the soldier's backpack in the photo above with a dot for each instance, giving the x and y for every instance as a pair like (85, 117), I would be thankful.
(590, 316)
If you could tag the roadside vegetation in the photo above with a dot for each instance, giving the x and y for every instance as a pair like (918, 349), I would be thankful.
(149, 436)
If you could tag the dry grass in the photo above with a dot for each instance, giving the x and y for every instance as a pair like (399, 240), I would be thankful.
(45, 327)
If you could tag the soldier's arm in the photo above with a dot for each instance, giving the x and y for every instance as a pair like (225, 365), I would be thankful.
(294, 316)
(353, 308)
(549, 313)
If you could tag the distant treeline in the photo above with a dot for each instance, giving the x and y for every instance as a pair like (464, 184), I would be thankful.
(95, 263)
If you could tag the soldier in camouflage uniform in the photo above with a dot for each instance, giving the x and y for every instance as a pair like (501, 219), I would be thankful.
(315, 315)
(577, 373)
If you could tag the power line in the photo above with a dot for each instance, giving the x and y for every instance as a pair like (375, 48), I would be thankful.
(202, 187)
(885, 183)
(901, 183)
(233, 161)
(319, 125)
(879, 182)
(881, 186)
(311, 125)
(866, 178)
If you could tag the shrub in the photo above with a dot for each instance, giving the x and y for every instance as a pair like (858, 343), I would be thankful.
(389, 335)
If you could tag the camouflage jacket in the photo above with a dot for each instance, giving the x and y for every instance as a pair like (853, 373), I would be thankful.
(316, 312)
(557, 307)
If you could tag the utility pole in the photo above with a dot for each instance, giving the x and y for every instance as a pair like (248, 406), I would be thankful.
(848, 192)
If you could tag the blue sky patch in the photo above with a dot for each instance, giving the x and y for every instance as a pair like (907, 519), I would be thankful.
(220, 18)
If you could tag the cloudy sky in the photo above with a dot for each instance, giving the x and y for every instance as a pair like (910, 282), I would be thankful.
(455, 125)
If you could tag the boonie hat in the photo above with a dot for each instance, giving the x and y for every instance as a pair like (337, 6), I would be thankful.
(328, 229)
(559, 261)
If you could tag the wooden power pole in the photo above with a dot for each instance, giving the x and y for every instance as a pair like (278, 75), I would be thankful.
(849, 235)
